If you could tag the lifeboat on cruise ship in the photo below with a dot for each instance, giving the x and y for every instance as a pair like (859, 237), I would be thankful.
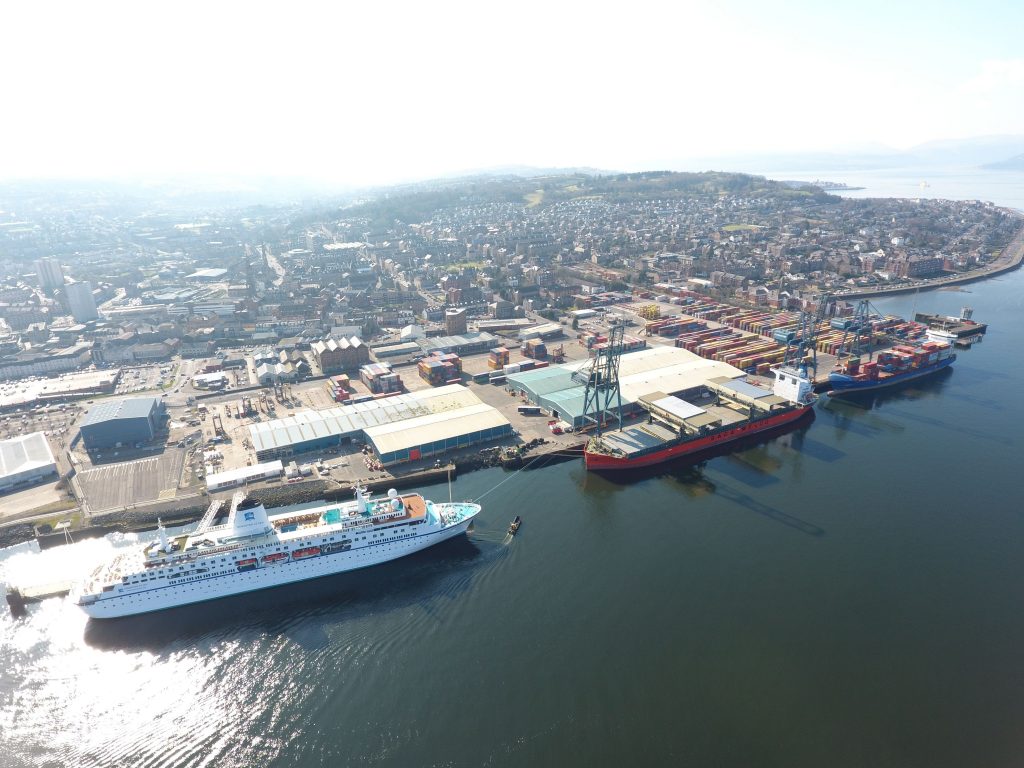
(274, 558)
(248, 564)
(301, 554)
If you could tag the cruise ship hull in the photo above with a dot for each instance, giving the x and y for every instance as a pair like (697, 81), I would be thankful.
(601, 462)
(842, 383)
(266, 576)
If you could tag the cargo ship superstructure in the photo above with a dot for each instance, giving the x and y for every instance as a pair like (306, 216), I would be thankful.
(256, 550)
(962, 331)
(891, 367)
(725, 411)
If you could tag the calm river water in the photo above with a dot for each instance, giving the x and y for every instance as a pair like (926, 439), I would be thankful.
(849, 594)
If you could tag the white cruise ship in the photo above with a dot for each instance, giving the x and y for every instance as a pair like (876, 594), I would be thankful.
(255, 550)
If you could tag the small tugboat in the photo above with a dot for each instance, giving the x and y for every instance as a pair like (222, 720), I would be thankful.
(514, 526)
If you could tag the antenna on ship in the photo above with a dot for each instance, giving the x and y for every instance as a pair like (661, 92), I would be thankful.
(165, 543)
(449, 483)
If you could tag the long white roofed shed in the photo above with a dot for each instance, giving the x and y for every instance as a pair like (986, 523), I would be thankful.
(656, 369)
(25, 460)
(437, 433)
(311, 430)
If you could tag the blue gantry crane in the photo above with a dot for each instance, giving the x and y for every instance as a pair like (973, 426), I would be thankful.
(806, 338)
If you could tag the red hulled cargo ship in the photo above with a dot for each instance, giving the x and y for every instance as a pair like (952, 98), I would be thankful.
(726, 411)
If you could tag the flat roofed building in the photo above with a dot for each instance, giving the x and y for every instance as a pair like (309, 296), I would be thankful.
(81, 301)
(465, 344)
(397, 350)
(25, 460)
(208, 273)
(330, 427)
(659, 369)
(437, 433)
(49, 273)
(229, 478)
(124, 421)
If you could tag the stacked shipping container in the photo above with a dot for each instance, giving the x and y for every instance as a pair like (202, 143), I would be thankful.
(379, 378)
(497, 358)
(440, 368)
(338, 387)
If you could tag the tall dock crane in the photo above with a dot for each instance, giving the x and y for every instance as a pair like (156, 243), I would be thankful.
(807, 336)
(600, 376)
(852, 343)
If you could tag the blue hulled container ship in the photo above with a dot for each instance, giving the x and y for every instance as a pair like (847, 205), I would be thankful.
(891, 367)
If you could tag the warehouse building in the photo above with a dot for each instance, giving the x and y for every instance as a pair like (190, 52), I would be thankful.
(230, 478)
(461, 421)
(466, 344)
(509, 324)
(542, 331)
(342, 354)
(25, 460)
(122, 421)
(659, 369)
(406, 348)
(437, 433)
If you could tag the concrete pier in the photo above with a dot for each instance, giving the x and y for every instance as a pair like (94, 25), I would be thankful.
(19, 597)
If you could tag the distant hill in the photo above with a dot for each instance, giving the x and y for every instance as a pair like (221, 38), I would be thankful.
(977, 151)
(416, 203)
(530, 171)
(1015, 163)
(981, 151)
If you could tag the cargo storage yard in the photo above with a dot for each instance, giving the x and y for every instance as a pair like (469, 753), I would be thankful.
(474, 390)
(444, 398)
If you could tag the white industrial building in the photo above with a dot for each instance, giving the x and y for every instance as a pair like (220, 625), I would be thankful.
(216, 380)
(459, 419)
(229, 478)
(437, 433)
(25, 460)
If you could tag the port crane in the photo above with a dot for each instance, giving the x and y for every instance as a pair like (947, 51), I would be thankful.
(600, 376)
(806, 337)
(853, 344)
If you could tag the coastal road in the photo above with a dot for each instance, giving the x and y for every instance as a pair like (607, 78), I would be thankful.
(1010, 258)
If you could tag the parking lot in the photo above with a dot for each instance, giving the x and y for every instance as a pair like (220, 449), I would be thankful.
(145, 378)
(132, 482)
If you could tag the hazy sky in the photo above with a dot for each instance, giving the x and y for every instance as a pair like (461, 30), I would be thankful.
(373, 92)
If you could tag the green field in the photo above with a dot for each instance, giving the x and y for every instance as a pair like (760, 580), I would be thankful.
(533, 199)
